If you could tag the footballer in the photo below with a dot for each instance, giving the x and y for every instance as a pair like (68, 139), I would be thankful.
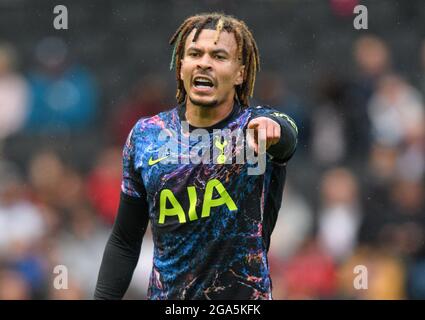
(211, 221)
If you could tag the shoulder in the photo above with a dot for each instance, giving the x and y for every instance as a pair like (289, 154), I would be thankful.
(249, 113)
(262, 110)
(154, 123)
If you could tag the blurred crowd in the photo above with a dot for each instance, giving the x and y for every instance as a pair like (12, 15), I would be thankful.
(366, 207)
(354, 194)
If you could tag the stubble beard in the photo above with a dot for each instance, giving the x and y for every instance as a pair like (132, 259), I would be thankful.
(210, 104)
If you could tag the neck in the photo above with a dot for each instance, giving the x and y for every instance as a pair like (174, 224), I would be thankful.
(203, 117)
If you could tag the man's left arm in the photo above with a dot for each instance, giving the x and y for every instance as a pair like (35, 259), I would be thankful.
(281, 133)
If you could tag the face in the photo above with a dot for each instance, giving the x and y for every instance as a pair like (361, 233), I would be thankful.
(211, 71)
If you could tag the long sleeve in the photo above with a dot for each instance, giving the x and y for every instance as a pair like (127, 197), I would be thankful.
(122, 249)
(285, 148)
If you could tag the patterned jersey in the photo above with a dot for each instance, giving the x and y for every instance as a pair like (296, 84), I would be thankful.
(211, 222)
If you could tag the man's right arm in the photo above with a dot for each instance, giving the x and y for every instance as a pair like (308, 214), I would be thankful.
(122, 249)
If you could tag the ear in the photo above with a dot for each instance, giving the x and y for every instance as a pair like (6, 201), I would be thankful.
(240, 75)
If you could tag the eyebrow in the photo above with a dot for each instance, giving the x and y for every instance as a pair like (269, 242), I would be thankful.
(215, 51)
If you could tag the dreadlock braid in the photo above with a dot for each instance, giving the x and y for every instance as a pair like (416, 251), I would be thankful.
(247, 51)
(219, 27)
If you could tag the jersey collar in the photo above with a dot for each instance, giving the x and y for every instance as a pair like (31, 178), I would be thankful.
(219, 125)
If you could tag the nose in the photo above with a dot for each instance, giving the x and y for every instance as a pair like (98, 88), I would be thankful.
(204, 63)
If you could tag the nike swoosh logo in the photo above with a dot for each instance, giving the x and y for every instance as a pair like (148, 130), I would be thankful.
(152, 162)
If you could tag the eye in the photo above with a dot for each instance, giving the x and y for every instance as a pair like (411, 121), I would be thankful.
(193, 54)
(220, 57)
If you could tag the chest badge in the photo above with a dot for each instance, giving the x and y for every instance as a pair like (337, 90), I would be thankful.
(221, 159)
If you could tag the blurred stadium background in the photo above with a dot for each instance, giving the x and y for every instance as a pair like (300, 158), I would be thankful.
(355, 188)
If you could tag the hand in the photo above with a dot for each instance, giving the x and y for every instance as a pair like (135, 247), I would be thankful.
(265, 130)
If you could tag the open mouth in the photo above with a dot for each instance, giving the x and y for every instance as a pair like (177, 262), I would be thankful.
(202, 83)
